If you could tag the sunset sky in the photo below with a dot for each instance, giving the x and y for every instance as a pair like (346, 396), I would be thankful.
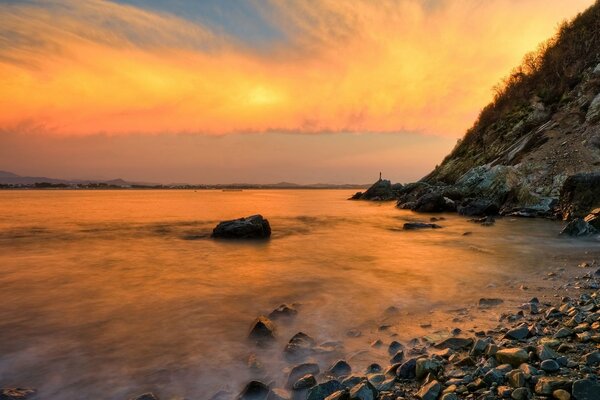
(226, 91)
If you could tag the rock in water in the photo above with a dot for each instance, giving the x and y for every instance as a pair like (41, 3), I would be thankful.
(255, 390)
(262, 329)
(323, 390)
(419, 225)
(382, 190)
(16, 393)
(253, 227)
(578, 228)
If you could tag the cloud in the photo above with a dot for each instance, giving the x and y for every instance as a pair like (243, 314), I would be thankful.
(83, 67)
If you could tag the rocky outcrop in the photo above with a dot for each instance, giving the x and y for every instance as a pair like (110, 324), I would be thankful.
(382, 190)
(253, 227)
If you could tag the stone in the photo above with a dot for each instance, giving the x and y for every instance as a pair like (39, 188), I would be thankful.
(586, 389)
(430, 391)
(25, 393)
(479, 346)
(513, 356)
(306, 382)
(561, 394)
(252, 227)
(299, 346)
(394, 347)
(339, 395)
(398, 357)
(323, 390)
(549, 366)
(563, 333)
(363, 391)
(454, 343)
(544, 352)
(516, 378)
(493, 376)
(449, 396)
(478, 208)
(518, 333)
(520, 394)
(301, 370)
(254, 390)
(262, 329)
(408, 370)
(592, 359)
(433, 202)
(578, 228)
(282, 312)
(419, 225)
(425, 366)
(489, 302)
(547, 385)
(340, 368)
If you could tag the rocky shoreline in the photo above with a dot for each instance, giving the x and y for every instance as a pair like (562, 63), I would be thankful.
(542, 349)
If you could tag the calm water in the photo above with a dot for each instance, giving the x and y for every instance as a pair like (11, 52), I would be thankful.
(106, 294)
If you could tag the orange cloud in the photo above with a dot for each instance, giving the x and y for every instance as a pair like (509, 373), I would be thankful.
(388, 66)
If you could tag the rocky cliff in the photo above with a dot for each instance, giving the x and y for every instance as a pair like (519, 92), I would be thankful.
(536, 148)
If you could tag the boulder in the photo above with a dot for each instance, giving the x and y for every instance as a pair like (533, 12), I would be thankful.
(17, 393)
(579, 228)
(301, 370)
(593, 113)
(262, 329)
(254, 390)
(455, 343)
(323, 390)
(408, 370)
(283, 311)
(363, 391)
(380, 191)
(419, 225)
(580, 194)
(430, 391)
(340, 368)
(586, 389)
(253, 227)
(514, 356)
(299, 346)
(434, 202)
(547, 385)
(477, 207)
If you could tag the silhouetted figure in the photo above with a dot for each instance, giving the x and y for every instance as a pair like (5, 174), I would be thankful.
(379, 175)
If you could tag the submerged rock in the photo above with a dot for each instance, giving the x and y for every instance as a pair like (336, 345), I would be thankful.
(262, 329)
(254, 390)
(17, 393)
(252, 227)
(301, 370)
(299, 346)
(578, 228)
(323, 390)
(283, 311)
(419, 225)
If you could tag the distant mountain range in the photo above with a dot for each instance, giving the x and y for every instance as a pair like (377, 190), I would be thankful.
(12, 179)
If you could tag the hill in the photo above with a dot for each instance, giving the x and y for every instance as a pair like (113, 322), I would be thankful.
(537, 140)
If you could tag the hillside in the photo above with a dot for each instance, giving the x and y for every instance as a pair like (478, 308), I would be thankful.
(542, 127)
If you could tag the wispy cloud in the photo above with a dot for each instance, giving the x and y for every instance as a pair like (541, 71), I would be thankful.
(83, 67)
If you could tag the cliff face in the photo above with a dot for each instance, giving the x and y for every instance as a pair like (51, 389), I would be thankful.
(542, 127)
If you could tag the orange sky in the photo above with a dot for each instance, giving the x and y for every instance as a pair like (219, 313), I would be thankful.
(84, 67)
